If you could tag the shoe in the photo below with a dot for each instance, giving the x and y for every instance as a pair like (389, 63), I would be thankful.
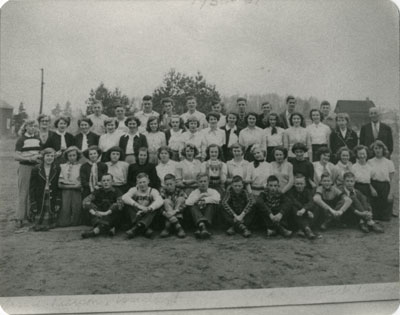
(376, 228)
(148, 233)
(197, 234)
(131, 233)
(230, 231)
(309, 233)
(19, 224)
(246, 233)
(271, 233)
(111, 232)
(88, 234)
(164, 233)
(364, 228)
(323, 227)
(204, 233)
(181, 233)
(394, 214)
(284, 232)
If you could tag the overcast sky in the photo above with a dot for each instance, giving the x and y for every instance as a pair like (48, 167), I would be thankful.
(327, 49)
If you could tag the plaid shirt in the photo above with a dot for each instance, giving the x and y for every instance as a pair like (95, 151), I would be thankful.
(273, 202)
(173, 196)
(234, 203)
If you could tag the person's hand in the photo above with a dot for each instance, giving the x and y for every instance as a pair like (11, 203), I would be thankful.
(272, 217)
(300, 212)
(92, 212)
(278, 217)
(57, 208)
(374, 192)
(390, 197)
(310, 214)
(367, 216)
(337, 213)
(241, 217)
(58, 153)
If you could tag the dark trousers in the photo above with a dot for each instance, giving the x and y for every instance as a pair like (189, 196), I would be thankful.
(381, 207)
(144, 219)
(324, 216)
(204, 214)
(270, 154)
(264, 214)
(247, 220)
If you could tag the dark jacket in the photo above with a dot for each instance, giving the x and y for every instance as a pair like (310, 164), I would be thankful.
(54, 141)
(138, 142)
(84, 174)
(149, 169)
(385, 135)
(37, 188)
(299, 200)
(336, 141)
(92, 139)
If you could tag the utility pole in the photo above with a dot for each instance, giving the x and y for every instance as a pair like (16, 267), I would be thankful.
(41, 93)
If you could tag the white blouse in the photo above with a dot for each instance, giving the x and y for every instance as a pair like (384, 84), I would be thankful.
(109, 140)
(216, 136)
(319, 170)
(381, 168)
(282, 171)
(176, 142)
(363, 173)
(249, 136)
(167, 168)
(294, 135)
(193, 138)
(237, 168)
(319, 133)
(258, 176)
(274, 140)
(155, 140)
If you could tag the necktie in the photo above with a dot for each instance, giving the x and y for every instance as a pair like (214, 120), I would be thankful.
(375, 130)
(84, 142)
(63, 142)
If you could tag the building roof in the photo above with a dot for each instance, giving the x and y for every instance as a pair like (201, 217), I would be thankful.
(348, 106)
(4, 104)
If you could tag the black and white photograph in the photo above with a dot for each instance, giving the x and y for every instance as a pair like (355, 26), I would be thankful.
(199, 156)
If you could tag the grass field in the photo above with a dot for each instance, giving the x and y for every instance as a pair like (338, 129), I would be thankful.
(59, 262)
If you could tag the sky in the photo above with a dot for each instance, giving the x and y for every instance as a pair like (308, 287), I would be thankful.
(327, 49)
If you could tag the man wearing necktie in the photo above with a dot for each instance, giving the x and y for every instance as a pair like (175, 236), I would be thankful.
(376, 130)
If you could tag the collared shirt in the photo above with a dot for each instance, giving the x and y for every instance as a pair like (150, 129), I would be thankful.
(216, 136)
(319, 169)
(98, 123)
(375, 129)
(294, 135)
(288, 117)
(283, 172)
(341, 169)
(319, 133)
(381, 168)
(221, 121)
(343, 132)
(258, 176)
(63, 142)
(276, 139)
(144, 117)
(234, 203)
(166, 168)
(237, 168)
(84, 142)
(119, 171)
(121, 125)
(155, 140)
(188, 170)
(70, 173)
(193, 138)
(329, 195)
(176, 142)
(363, 173)
(249, 136)
(200, 117)
(230, 135)
(129, 145)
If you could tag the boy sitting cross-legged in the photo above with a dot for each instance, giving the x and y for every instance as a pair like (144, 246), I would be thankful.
(360, 209)
(142, 202)
(202, 203)
(238, 207)
(174, 203)
(300, 198)
(331, 202)
(273, 208)
(105, 207)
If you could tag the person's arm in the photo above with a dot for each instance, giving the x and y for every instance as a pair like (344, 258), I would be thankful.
(158, 201)
(286, 140)
(193, 198)
(224, 173)
(347, 203)
(127, 197)
(212, 196)
(33, 191)
(309, 145)
(89, 205)
(225, 204)
(125, 167)
(291, 179)
(390, 195)
(249, 205)
(84, 176)
(318, 200)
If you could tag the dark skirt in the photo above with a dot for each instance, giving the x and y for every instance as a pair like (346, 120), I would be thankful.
(248, 156)
(364, 189)
(381, 207)
(46, 218)
(270, 154)
(315, 148)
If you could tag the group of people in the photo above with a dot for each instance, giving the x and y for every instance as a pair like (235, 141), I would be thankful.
(123, 172)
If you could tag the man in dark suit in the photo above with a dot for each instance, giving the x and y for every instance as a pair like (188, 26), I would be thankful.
(376, 130)
(241, 122)
(290, 109)
(85, 138)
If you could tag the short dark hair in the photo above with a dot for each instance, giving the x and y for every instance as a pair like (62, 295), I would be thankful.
(282, 149)
(237, 178)
(234, 114)
(191, 146)
(290, 97)
(107, 174)
(142, 149)
(85, 119)
(190, 119)
(251, 114)
(324, 103)
(181, 122)
(149, 121)
(272, 178)
(213, 114)
(299, 146)
(326, 175)
(167, 100)
(111, 120)
(115, 149)
(41, 116)
(213, 146)
(359, 148)
(169, 176)
(64, 118)
(341, 150)
(142, 175)
(147, 98)
(321, 115)
(164, 148)
(296, 114)
(91, 148)
(348, 174)
(299, 175)
(276, 118)
(130, 118)
(241, 99)
(201, 175)
(190, 97)
(323, 150)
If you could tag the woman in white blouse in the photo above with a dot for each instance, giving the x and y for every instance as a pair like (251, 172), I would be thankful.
(382, 180)
(324, 166)
(155, 138)
(343, 165)
(319, 133)
(174, 136)
(110, 138)
(193, 136)
(212, 134)
(258, 171)
(296, 134)
(252, 135)
(165, 165)
(188, 169)
(238, 165)
(363, 172)
(274, 135)
(282, 169)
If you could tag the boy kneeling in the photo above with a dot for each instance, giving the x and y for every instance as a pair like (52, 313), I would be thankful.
(174, 203)
(273, 208)
(302, 205)
(238, 207)
(142, 202)
(202, 203)
(360, 209)
(105, 207)
(331, 203)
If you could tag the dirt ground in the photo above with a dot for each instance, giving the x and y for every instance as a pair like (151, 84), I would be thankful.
(59, 262)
